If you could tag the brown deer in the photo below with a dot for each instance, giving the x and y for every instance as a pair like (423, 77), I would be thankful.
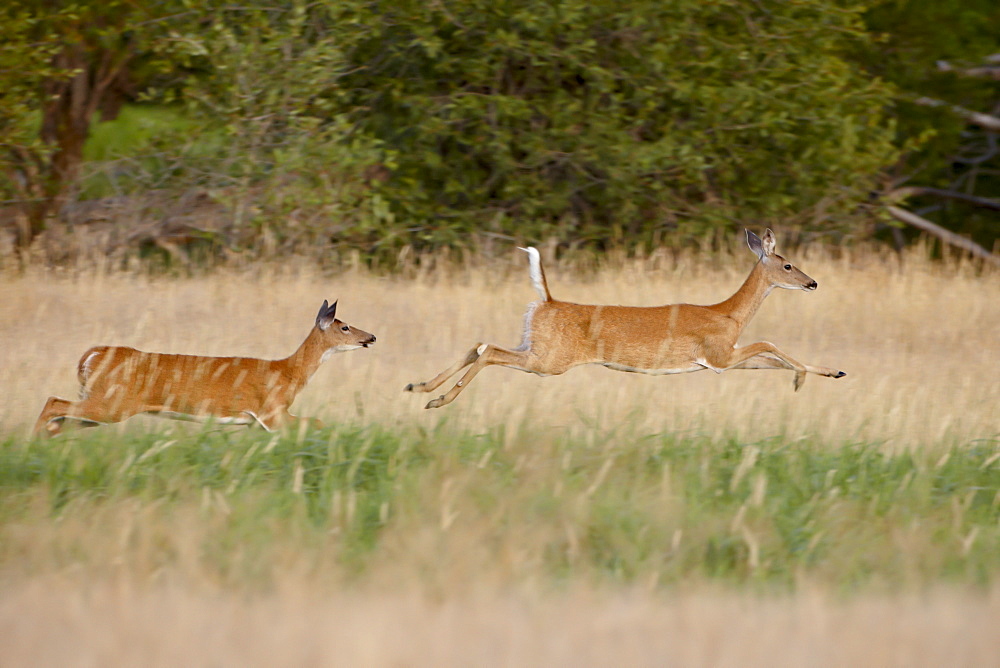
(677, 338)
(117, 382)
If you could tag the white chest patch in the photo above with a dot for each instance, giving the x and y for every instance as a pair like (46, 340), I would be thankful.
(526, 332)
(701, 361)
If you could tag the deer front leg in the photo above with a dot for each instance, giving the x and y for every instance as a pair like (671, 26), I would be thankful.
(281, 418)
(487, 354)
(741, 355)
(764, 362)
(436, 381)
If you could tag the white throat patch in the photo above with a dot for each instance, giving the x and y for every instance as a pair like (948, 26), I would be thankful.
(338, 349)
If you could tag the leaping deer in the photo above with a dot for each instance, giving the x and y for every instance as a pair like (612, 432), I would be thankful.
(117, 382)
(678, 338)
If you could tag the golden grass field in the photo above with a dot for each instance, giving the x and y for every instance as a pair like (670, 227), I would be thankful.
(919, 345)
(918, 340)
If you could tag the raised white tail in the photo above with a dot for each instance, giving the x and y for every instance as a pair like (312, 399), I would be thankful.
(677, 338)
(118, 382)
(537, 274)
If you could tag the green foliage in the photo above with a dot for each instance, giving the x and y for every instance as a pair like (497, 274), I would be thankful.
(940, 147)
(265, 79)
(146, 147)
(137, 130)
(605, 123)
(26, 51)
(375, 125)
(61, 64)
(913, 36)
(615, 507)
(378, 125)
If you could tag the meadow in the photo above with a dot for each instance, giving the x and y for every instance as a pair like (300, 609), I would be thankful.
(592, 518)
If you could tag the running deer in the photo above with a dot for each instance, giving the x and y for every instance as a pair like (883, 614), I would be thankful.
(678, 338)
(118, 382)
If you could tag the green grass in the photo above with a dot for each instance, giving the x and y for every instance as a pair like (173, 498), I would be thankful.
(617, 507)
(141, 149)
(136, 130)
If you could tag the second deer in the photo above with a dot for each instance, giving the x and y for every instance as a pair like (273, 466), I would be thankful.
(117, 382)
(678, 338)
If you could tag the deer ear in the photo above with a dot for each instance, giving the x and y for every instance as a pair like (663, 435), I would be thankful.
(326, 315)
(322, 311)
(768, 242)
(755, 244)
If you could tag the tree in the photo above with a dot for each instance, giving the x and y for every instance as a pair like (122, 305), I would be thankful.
(267, 84)
(941, 56)
(59, 66)
(612, 123)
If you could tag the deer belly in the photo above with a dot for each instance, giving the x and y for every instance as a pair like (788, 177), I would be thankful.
(660, 360)
(653, 371)
(245, 418)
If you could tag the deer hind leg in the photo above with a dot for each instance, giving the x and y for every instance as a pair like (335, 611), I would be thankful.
(50, 420)
(436, 381)
(87, 411)
(486, 355)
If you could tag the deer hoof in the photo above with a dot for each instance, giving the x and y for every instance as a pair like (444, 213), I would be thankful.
(435, 403)
(408, 388)
(840, 374)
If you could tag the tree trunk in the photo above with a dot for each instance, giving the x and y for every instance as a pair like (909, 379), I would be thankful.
(66, 116)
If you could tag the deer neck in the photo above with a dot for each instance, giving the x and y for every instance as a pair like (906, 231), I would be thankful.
(743, 305)
(304, 362)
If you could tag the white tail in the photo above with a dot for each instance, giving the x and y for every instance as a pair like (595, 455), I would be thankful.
(118, 382)
(678, 338)
(537, 274)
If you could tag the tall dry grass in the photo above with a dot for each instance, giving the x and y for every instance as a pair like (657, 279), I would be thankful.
(918, 341)
(87, 587)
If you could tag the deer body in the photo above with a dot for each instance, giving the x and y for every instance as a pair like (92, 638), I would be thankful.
(677, 338)
(117, 382)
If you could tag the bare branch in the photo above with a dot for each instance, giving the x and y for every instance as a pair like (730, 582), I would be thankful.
(944, 235)
(984, 71)
(916, 191)
(991, 123)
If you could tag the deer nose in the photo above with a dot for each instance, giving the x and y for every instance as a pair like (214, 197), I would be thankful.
(812, 285)
(371, 339)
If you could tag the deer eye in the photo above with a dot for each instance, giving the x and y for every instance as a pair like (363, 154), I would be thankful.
(788, 267)
(345, 328)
